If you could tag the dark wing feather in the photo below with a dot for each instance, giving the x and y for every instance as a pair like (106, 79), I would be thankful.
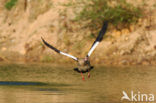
(99, 38)
(102, 32)
(50, 46)
(58, 51)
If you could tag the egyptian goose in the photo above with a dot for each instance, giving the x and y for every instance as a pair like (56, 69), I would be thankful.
(83, 63)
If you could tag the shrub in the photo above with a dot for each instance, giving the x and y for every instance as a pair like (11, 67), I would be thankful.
(10, 4)
(115, 11)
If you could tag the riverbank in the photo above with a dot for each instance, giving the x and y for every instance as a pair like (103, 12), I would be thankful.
(20, 32)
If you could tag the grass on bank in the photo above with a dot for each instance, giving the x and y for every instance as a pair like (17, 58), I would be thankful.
(10, 4)
(117, 12)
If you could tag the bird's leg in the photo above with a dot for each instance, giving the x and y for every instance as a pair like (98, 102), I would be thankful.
(82, 76)
(88, 75)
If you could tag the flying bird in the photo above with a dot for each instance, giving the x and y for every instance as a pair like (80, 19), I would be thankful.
(83, 64)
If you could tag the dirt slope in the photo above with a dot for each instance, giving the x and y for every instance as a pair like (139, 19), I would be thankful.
(20, 32)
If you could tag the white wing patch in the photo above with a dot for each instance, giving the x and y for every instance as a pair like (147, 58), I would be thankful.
(68, 55)
(93, 47)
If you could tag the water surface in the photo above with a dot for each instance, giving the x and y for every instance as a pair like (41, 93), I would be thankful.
(45, 83)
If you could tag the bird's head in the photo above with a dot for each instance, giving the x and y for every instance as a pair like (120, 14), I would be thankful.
(86, 58)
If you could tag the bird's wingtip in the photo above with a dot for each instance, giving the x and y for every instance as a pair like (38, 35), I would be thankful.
(41, 37)
(105, 22)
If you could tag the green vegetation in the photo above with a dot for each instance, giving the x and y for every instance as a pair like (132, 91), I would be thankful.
(10, 4)
(117, 12)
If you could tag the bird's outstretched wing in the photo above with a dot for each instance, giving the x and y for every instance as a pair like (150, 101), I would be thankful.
(99, 38)
(58, 51)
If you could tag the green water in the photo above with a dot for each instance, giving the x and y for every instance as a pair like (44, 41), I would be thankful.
(45, 83)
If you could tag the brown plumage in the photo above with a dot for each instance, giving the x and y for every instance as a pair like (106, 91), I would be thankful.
(83, 65)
